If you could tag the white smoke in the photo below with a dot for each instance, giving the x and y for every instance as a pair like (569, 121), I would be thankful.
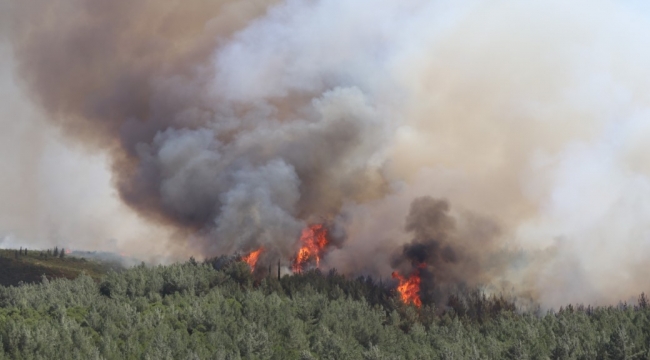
(533, 114)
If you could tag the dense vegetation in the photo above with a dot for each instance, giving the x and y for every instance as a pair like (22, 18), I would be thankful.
(194, 311)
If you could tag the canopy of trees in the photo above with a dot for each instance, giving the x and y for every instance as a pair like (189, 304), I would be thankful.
(204, 311)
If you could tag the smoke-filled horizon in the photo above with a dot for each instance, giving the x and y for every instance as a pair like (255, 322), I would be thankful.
(501, 143)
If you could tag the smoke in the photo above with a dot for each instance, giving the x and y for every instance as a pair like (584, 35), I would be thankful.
(236, 124)
(53, 195)
(446, 252)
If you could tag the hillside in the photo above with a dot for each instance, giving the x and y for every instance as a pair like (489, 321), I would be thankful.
(17, 267)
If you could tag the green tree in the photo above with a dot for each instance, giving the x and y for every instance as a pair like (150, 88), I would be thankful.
(643, 301)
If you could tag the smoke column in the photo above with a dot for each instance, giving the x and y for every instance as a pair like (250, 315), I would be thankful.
(522, 128)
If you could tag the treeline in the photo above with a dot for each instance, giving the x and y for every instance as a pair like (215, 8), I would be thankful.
(41, 253)
(217, 310)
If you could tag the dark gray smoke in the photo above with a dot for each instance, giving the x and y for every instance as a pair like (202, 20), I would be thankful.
(446, 252)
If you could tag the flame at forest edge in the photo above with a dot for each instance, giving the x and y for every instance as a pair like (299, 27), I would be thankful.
(313, 240)
(251, 259)
(409, 288)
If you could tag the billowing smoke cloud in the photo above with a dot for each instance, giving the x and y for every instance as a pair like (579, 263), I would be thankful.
(232, 175)
(238, 123)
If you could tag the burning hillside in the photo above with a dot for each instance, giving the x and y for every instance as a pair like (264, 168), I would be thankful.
(306, 131)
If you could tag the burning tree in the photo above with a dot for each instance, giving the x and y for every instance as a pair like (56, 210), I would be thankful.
(252, 257)
(409, 287)
(313, 242)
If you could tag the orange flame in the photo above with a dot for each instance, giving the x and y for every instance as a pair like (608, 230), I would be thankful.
(251, 259)
(314, 241)
(409, 289)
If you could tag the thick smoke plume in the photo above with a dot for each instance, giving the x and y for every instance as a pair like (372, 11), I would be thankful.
(236, 175)
(238, 123)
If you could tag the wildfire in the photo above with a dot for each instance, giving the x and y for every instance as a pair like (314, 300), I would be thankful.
(251, 259)
(314, 241)
(409, 289)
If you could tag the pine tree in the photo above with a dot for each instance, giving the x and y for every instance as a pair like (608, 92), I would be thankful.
(56, 251)
(618, 347)
(62, 253)
(643, 301)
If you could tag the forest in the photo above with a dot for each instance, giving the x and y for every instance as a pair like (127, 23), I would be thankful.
(218, 309)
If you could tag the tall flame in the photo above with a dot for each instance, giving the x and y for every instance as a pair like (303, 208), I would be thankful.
(313, 240)
(409, 288)
(251, 259)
